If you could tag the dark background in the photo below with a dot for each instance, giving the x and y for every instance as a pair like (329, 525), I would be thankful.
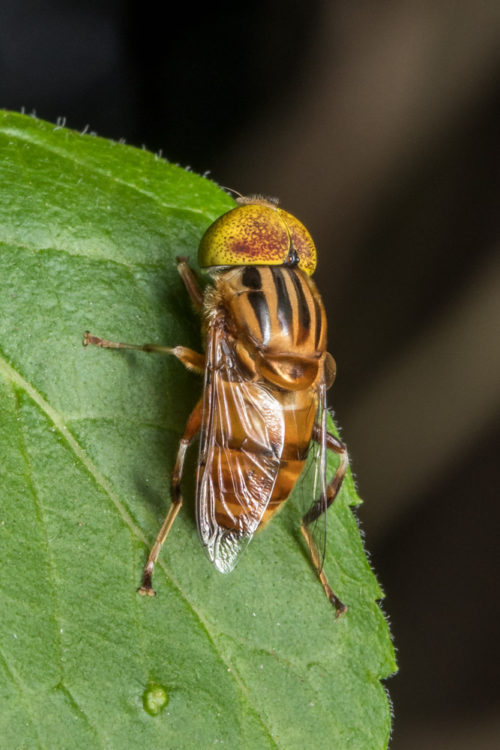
(377, 123)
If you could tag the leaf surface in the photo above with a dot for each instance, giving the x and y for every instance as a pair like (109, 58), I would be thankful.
(89, 233)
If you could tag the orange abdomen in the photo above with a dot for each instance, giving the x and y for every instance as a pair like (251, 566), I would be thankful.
(299, 416)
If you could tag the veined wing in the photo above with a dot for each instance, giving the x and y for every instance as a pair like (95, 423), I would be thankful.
(241, 445)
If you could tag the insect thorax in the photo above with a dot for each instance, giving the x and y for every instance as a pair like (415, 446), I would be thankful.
(278, 323)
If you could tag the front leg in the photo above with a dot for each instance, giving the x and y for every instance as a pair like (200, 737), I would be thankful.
(190, 359)
(191, 283)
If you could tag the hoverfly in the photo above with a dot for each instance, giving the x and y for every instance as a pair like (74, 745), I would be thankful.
(266, 372)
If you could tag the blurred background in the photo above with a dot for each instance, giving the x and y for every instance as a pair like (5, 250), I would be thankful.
(377, 123)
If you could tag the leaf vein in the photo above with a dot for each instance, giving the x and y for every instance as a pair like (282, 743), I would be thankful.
(15, 244)
(94, 168)
(79, 710)
(42, 524)
(20, 688)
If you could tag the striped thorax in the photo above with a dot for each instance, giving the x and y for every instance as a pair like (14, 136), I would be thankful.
(278, 320)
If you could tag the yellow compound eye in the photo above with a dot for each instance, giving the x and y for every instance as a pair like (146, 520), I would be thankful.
(257, 235)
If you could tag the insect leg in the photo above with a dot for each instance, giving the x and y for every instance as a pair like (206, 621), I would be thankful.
(319, 507)
(190, 359)
(192, 427)
(191, 283)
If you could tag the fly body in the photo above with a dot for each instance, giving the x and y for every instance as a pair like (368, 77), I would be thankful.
(265, 357)
(266, 372)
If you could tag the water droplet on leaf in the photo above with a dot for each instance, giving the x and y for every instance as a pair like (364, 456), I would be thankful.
(154, 699)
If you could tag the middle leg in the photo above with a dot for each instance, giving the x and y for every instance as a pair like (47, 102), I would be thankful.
(192, 427)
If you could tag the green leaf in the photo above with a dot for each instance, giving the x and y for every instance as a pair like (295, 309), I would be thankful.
(255, 659)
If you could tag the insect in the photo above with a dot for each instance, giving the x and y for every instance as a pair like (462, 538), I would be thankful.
(266, 372)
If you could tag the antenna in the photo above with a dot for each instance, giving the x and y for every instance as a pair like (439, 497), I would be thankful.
(232, 190)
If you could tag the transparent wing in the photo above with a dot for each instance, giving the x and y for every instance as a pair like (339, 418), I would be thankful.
(241, 445)
(314, 483)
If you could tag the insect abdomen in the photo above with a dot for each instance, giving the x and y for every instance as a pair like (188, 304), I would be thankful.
(242, 467)
(299, 414)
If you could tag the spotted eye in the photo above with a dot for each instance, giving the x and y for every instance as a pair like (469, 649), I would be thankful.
(257, 235)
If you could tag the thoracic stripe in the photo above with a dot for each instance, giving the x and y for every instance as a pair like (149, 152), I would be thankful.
(285, 312)
(303, 307)
(261, 309)
(252, 278)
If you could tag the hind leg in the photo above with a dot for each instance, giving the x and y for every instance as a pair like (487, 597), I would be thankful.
(318, 508)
